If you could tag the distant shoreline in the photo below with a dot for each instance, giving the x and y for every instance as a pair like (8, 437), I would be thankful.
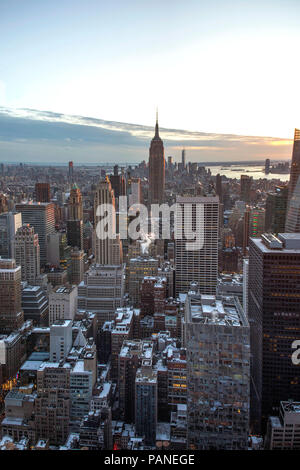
(126, 164)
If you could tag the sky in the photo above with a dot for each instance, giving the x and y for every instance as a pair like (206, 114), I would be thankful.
(215, 67)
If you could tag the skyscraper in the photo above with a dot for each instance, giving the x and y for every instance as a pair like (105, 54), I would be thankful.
(27, 253)
(3, 203)
(108, 250)
(53, 404)
(293, 210)
(11, 313)
(219, 188)
(134, 191)
(71, 172)
(199, 265)
(156, 168)
(42, 192)
(77, 266)
(102, 291)
(146, 401)
(273, 311)
(267, 166)
(9, 224)
(276, 205)
(183, 159)
(75, 218)
(60, 338)
(246, 183)
(62, 304)
(118, 182)
(216, 335)
(75, 211)
(41, 216)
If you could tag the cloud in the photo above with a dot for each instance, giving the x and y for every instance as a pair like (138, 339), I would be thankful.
(33, 135)
(2, 91)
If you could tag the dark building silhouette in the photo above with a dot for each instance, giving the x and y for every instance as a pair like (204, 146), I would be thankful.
(183, 159)
(267, 166)
(42, 192)
(118, 182)
(293, 211)
(11, 313)
(246, 183)
(75, 216)
(71, 171)
(219, 191)
(276, 204)
(274, 317)
(156, 168)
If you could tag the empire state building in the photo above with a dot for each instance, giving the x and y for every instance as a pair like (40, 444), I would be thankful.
(156, 168)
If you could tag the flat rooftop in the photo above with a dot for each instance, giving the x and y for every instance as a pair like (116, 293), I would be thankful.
(284, 243)
(215, 310)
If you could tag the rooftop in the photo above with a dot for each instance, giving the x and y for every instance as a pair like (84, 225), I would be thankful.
(282, 243)
(212, 310)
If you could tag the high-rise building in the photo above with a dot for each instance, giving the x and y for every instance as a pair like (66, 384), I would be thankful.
(246, 230)
(246, 184)
(3, 203)
(245, 285)
(62, 304)
(75, 210)
(95, 430)
(219, 189)
(27, 253)
(122, 330)
(11, 313)
(283, 429)
(146, 401)
(75, 218)
(267, 166)
(81, 388)
(9, 224)
(201, 264)
(293, 209)
(42, 192)
(35, 305)
(11, 355)
(75, 233)
(41, 217)
(273, 311)
(77, 266)
(58, 251)
(130, 359)
(170, 162)
(19, 421)
(156, 168)
(107, 250)
(134, 191)
(276, 207)
(138, 268)
(118, 182)
(216, 335)
(71, 172)
(60, 340)
(183, 159)
(102, 291)
(256, 222)
(53, 404)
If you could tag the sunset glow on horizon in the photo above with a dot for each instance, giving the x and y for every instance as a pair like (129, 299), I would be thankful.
(218, 67)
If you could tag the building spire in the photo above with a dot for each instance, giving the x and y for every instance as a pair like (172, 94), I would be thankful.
(156, 125)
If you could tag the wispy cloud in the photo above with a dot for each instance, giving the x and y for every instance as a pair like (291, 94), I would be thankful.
(48, 135)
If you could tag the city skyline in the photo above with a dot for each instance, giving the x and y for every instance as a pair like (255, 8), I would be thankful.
(33, 136)
(149, 264)
(210, 66)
